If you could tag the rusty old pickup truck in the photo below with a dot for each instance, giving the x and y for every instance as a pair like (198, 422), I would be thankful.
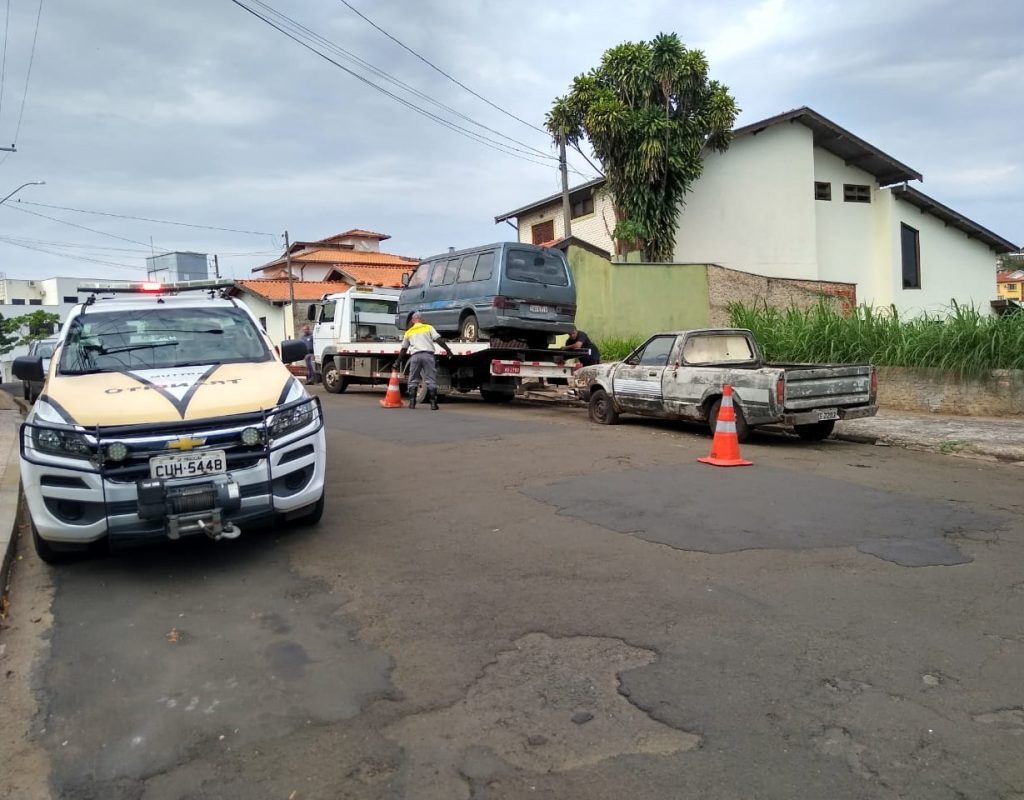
(681, 374)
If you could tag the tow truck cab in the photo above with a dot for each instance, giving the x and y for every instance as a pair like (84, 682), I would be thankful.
(166, 412)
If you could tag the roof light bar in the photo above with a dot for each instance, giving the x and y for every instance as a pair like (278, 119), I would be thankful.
(155, 287)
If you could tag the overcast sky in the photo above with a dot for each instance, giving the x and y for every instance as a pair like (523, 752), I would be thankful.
(196, 111)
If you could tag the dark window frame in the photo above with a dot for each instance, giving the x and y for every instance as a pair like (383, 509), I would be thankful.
(546, 225)
(17, 301)
(915, 282)
(71, 298)
(856, 193)
(823, 190)
(583, 207)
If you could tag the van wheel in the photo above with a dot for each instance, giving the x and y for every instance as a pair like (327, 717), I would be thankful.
(469, 328)
(56, 552)
(815, 431)
(742, 429)
(494, 396)
(334, 381)
(602, 410)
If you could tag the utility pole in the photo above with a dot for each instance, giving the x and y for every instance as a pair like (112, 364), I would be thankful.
(563, 167)
(291, 285)
(216, 267)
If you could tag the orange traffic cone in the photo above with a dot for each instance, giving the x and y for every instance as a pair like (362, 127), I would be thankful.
(393, 399)
(725, 447)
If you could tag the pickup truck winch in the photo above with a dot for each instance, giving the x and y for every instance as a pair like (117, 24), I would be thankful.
(681, 374)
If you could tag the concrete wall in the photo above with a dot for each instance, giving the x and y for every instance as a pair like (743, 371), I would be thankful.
(726, 286)
(637, 299)
(594, 228)
(753, 208)
(921, 390)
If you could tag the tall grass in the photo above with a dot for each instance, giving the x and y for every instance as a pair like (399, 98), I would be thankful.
(962, 340)
(616, 348)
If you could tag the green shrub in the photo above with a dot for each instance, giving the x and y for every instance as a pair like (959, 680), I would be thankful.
(962, 340)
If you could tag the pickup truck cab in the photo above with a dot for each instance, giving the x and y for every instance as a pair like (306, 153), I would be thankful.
(681, 374)
(166, 414)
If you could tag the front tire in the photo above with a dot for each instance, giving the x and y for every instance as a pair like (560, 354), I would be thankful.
(56, 552)
(334, 381)
(602, 410)
(315, 514)
(742, 429)
(815, 431)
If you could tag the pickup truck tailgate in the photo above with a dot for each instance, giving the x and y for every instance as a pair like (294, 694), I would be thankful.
(810, 387)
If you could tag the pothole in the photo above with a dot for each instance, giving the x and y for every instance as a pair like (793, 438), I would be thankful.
(547, 705)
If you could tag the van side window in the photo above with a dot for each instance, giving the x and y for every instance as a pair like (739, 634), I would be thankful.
(419, 277)
(438, 276)
(450, 271)
(466, 267)
(484, 266)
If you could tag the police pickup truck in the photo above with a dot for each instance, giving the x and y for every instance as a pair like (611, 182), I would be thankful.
(681, 375)
(166, 412)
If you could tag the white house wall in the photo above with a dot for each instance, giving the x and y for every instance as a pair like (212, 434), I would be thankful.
(275, 315)
(952, 265)
(753, 207)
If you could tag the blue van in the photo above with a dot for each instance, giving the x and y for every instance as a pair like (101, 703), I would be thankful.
(499, 291)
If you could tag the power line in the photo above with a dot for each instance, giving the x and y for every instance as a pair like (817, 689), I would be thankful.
(501, 147)
(24, 95)
(77, 245)
(353, 58)
(3, 66)
(145, 219)
(86, 259)
(434, 66)
(14, 207)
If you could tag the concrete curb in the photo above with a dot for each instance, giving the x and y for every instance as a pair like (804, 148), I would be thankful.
(10, 505)
(964, 449)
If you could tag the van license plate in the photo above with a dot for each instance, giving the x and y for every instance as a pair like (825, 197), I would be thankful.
(188, 465)
(825, 414)
(540, 309)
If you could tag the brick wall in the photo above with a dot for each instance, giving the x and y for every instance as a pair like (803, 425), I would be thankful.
(727, 286)
(938, 392)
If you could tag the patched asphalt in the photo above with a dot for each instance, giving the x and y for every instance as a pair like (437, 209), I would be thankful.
(725, 510)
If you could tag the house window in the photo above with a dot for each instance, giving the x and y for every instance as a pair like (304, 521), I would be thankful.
(1011, 287)
(70, 299)
(263, 322)
(35, 302)
(854, 193)
(543, 232)
(582, 207)
(822, 190)
(17, 301)
(910, 247)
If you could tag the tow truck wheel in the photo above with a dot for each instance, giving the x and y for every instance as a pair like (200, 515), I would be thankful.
(742, 429)
(469, 328)
(56, 552)
(815, 431)
(334, 381)
(602, 411)
(495, 396)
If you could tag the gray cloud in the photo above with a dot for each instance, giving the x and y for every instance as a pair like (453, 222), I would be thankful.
(196, 111)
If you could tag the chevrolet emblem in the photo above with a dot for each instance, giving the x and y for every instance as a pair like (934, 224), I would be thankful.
(185, 443)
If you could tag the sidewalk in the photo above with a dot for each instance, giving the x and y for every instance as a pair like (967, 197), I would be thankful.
(10, 481)
(1000, 438)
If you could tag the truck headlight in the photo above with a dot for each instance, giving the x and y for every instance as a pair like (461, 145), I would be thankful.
(61, 442)
(291, 419)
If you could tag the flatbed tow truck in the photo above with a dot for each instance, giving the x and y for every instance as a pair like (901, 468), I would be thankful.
(357, 342)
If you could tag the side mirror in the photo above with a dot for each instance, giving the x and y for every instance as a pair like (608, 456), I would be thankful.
(311, 313)
(28, 368)
(293, 350)
(405, 278)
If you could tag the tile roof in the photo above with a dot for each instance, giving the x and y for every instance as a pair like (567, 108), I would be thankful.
(360, 232)
(346, 258)
(377, 276)
(1008, 277)
(276, 289)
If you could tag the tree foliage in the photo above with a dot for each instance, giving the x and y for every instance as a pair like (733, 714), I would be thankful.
(650, 113)
(21, 330)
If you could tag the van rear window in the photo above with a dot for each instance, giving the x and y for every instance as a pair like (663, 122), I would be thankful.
(536, 267)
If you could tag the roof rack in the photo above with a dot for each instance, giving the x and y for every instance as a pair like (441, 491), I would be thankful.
(156, 287)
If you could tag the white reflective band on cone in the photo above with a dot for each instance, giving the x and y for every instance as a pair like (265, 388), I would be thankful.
(725, 426)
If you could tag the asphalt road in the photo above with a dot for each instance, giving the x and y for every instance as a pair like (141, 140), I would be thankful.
(509, 602)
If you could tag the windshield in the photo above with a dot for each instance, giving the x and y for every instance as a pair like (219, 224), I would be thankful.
(159, 338)
(45, 349)
(536, 267)
(374, 320)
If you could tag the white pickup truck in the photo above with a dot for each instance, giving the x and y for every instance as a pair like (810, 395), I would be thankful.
(681, 375)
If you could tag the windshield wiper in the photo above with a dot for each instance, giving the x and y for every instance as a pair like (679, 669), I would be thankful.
(103, 351)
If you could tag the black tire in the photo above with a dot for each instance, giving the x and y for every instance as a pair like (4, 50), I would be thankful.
(57, 552)
(334, 382)
(815, 431)
(602, 410)
(493, 396)
(315, 514)
(469, 328)
(742, 429)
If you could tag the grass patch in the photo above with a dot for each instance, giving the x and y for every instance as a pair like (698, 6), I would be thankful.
(962, 340)
(616, 348)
